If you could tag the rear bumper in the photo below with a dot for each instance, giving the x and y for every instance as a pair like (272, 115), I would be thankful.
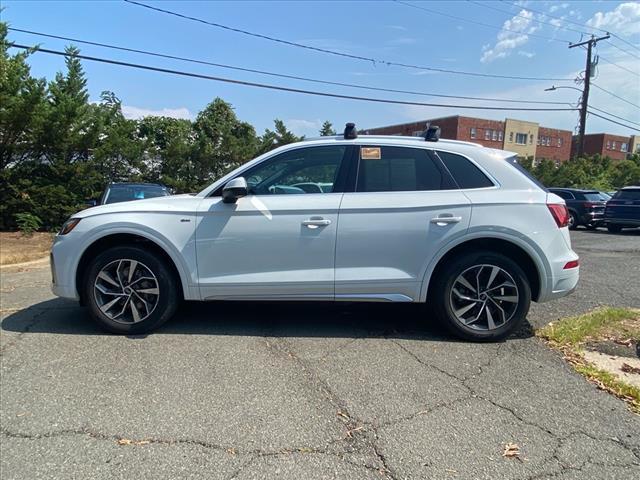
(631, 222)
(593, 218)
(561, 285)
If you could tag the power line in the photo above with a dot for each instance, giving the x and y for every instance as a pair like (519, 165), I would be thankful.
(614, 95)
(576, 23)
(613, 121)
(614, 116)
(274, 74)
(484, 5)
(582, 32)
(462, 19)
(619, 66)
(280, 88)
(340, 54)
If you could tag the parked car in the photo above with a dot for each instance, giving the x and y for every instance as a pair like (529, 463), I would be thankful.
(623, 210)
(586, 207)
(391, 220)
(125, 192)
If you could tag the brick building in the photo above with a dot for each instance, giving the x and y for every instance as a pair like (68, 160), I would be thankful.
(523, 137)
(615, 147)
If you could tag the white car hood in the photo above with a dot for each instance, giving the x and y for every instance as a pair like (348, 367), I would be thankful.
(174, 203)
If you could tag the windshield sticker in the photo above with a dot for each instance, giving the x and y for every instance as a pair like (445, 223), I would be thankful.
(370, 153)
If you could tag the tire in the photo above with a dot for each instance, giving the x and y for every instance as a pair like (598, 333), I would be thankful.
(614, 228)
(155, 296)
(446, 302)
(573, 221)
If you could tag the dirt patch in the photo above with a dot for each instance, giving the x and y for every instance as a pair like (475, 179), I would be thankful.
(17, 248)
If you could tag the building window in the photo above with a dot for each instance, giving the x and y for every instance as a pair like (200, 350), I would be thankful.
(500, 136)
(559, 142)
(494, 135)
(521, 138)
(511, 136)
(608, 144)
(613, 145)
(539, 139)
(531, 139)
(623, 147)
(487, 134)
(472, 132)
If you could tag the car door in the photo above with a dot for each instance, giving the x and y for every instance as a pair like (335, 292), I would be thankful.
(405, 207)
(278, 242)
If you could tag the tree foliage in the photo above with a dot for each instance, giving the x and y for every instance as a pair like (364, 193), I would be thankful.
(327, 129)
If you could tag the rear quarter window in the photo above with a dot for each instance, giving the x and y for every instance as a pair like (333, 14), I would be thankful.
(627, 194)
(464, 172)
(513, 161)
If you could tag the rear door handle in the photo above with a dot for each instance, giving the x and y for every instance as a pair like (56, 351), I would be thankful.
(315, 222)
(446, 219)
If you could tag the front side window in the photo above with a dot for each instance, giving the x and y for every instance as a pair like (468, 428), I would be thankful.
(304, 170)
(521, 138)
(398, 169)
(464, 172)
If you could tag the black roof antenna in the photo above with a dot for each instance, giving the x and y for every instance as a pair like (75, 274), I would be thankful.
(432, 133)
(350, 131)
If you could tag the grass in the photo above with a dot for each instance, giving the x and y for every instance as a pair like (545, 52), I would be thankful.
(606, 322)
(17, 248)
(569, 334)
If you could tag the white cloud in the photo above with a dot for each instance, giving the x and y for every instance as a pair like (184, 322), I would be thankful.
(555, 8)
(624, 19)
(516, 34)
(522, 53)
(137, 113)
(304, 127)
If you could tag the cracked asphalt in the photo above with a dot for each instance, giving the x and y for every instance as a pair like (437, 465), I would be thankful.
(320, 391)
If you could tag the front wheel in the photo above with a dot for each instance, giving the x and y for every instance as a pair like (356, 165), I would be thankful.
(482, 296)
(130, 290)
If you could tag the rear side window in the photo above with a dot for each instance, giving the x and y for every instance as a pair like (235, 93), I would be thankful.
(399, 169)
(563, 194)
(514, 162)
(627, 195)
(464, 172)
(593, 197)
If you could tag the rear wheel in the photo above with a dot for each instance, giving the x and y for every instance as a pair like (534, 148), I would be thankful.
(482, 296)
(130, 290)
(573, 221)
(613, 228)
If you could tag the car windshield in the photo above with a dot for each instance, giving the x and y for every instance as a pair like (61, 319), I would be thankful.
(125, 193)
(627, 194)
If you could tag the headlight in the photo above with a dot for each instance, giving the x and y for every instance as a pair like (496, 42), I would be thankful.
(69, 225)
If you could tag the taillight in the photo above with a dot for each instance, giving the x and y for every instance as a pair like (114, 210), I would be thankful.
(589, 204)
(572, 264)
(559, 213)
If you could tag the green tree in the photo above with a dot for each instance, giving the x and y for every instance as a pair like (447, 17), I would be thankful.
(276, 138)
(222, 143)
(22, 104)
(327, 129)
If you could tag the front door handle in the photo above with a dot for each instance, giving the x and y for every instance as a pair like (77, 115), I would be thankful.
(315, 222)
(446, 219)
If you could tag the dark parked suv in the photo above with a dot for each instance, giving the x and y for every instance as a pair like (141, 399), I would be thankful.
(586, 207)
(623, 210)
(125, 192)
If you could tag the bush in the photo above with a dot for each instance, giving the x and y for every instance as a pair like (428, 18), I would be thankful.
(27, 223)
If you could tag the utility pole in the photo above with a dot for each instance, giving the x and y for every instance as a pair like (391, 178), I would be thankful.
(585, 91)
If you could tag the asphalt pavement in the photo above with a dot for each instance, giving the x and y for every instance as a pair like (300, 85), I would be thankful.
(313, 391)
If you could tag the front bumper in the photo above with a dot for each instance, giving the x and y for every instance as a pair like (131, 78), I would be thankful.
(62, 281)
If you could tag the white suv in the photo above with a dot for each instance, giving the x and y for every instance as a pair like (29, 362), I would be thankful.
(345, 218)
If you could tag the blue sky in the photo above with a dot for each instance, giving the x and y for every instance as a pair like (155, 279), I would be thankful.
(383, 30)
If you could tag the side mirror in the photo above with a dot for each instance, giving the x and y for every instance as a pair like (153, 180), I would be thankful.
(91, 203)
(234, 189)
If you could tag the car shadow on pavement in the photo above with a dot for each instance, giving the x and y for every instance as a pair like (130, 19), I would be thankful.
(272, 319)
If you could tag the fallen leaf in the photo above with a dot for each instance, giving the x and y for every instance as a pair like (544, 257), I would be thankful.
(127, 441)
(629, 368)
(231, 451)
(511, 450)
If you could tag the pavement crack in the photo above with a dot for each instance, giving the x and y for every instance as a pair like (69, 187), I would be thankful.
(32, 323)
